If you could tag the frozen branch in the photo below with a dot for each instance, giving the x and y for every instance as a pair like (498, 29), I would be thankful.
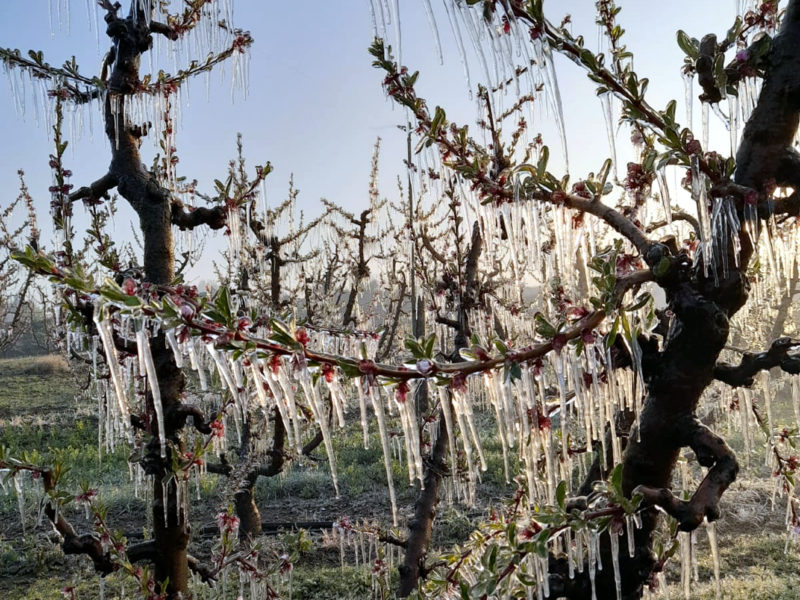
(215, 218)
(178, 413)
(711, 451)
(96, 190)
(163, 29)
(782, 353)
(73, 543)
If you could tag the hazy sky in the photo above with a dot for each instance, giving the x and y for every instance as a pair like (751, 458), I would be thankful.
(315, 105)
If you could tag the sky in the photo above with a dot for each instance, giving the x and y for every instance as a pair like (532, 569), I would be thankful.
(314, 106)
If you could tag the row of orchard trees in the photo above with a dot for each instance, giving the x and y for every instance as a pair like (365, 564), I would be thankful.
(526, 294)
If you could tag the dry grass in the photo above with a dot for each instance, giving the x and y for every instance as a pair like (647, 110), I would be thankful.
(50, 364)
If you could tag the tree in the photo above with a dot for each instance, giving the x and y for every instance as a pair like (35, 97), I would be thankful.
(15, 309)
(576, 368)
(153, 194)
(703, 292)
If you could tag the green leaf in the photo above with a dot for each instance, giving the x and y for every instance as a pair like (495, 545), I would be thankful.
(543, 327)
(561, 494)
(616, 479)
(662, 268)
(544, 156)
(686, 44)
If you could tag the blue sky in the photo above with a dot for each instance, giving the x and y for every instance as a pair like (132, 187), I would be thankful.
(315, 105)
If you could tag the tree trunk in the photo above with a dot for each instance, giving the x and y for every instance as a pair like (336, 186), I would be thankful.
(152, 203)
(421, 526)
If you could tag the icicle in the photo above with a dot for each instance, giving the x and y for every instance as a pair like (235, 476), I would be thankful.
(259, 383)
(321, 418)
(711, 530)
(615, 561)
(666, 201)
(397, 31)
(591, 538)
(20, 499)
(224, 371)
(688, 80)
(172, 342)
(446, 409)
(378, 408)
(699, 194)
(362, 405)
(686, 564)
(122, 411)
(434, 30)
(555, 95)
(281, 387)
(733, 110)
(608, 118)
(463, 410)
(412, 442)
(143, 346)
(629, 524)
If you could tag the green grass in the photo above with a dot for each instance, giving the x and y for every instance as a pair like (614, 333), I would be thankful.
(43, 413)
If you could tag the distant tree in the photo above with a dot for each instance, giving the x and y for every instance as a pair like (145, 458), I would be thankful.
(16, 283)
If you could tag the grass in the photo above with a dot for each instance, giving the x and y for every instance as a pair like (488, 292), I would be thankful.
(43, 412)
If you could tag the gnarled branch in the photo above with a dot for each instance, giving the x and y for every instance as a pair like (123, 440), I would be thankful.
(215, 218)
(782, 353)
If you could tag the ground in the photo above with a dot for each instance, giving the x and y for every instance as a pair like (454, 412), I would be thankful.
(42, 411)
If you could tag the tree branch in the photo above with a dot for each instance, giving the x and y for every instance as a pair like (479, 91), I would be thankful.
(782, 353)
(96, 190)
(178, 413)
(87, 543)
(163, 29)
(215, 218)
